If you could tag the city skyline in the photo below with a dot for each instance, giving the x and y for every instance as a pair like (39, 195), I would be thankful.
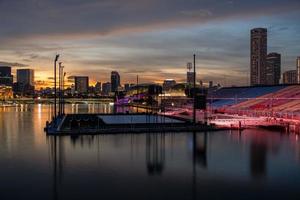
(155, 47)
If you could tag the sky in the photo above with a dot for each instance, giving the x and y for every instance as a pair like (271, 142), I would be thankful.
(150, 38)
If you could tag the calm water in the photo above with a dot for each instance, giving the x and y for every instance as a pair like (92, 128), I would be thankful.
(216, 165)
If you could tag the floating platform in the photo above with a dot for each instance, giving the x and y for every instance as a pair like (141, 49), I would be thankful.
(88, 124)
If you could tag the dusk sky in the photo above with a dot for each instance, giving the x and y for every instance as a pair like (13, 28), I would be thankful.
(152, 38)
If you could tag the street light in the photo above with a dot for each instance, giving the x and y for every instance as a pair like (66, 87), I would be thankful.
(55, 61)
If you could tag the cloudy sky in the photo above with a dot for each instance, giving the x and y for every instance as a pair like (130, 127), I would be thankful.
(152, 38)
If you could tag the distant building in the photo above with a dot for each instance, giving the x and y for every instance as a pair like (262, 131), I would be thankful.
(210, 84)
(25, 76)
(258, 56)
(25, 82)
(115, 81)
(168, 84)
(273, 69)
(189, 74)
(106, 88)
(190, 78)
(98, 87)
(298, 69)
(81, 84)
(5, 92)
(201, 83)
(126, 86)
(6, 77)
(290, 77)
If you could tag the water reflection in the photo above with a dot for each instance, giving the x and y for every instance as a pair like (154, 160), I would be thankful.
(256, 163)
(57, 159)
(155, 153)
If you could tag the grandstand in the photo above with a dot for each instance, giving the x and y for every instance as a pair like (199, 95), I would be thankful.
(229, 96)
(266, 100)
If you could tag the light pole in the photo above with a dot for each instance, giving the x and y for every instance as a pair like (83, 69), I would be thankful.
(60, 74)
(194, 92)
(55, 61)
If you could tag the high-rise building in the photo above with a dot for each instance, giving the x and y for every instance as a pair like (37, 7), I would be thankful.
(290, 77)
(298, 70)
(25, 76)
(106, 88)
(6, 77)
(258, 56)
(115, 81)
(273, 69)
(25, 82)
(81, 84)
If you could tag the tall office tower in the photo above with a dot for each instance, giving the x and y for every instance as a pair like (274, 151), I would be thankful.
(106, 88)
(115, 81)
(6, 77)
(25, 76)
(81, 84)
(258, 56)
(290, 77)
(273, 69)
(298, 70)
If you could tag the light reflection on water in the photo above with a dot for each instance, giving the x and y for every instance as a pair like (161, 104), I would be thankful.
(248, 165)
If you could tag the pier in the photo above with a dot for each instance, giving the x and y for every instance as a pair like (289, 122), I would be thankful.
(88, 124)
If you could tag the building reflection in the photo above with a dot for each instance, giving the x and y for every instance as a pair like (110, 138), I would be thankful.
(258, 156)
(155, 153)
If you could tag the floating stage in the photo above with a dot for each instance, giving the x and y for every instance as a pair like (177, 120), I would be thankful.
(120, 123)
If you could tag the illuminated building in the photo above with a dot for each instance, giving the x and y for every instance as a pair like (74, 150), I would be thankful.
(290, 77)
(115, 81)
(5, 76)
(273, 69)
(81, 84)
(5, 92)
(258, 56)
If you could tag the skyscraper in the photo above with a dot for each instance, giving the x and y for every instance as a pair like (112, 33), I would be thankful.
(25, 76)
(81, 84)
(6, 77)
(258, 56)
(298, 69)
(273, 69)
(115, 81)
